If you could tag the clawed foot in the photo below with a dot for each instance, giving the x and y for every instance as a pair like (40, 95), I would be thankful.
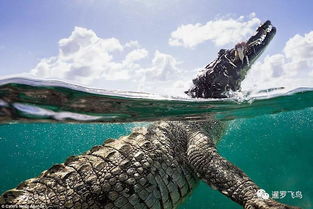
(260, 203)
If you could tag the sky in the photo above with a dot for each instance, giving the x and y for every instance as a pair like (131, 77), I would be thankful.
(155, 46)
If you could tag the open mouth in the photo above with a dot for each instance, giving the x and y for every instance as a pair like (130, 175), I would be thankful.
(230, 68)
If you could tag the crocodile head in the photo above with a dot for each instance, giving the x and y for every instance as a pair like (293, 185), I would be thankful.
(230, 68)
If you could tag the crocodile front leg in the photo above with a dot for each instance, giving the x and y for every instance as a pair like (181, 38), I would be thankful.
(222, 175)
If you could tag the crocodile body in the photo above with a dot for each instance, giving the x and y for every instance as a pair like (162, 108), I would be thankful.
(153, 167)
(147, 169)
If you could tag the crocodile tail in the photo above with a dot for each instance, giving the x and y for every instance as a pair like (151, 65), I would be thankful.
(78, 182)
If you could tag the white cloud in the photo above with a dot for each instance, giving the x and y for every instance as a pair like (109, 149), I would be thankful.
(136, 55)
(164, 67)
(291, 69)
(86, 59)
(82, 38)
(82, 57)
(220, 32)
(132, 44)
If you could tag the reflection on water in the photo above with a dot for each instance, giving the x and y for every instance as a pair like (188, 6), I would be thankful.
(23, 100)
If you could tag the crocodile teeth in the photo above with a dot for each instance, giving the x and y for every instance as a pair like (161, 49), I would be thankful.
(248, 62)
(240, 53)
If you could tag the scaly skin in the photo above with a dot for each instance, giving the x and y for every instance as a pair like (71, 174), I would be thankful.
(154, 167)
(147, 169)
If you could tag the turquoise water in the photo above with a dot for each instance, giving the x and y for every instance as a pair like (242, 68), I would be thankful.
(274, 150)
(269, 136)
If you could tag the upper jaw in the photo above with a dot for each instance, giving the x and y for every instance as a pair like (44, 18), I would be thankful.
(264, 34)
(258, 42)
(248, 52)
(253, 48)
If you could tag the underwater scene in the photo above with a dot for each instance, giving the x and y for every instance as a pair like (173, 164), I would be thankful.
(270, 136)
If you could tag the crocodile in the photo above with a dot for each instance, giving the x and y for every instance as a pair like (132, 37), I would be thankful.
(160, 165)
(225, 73)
